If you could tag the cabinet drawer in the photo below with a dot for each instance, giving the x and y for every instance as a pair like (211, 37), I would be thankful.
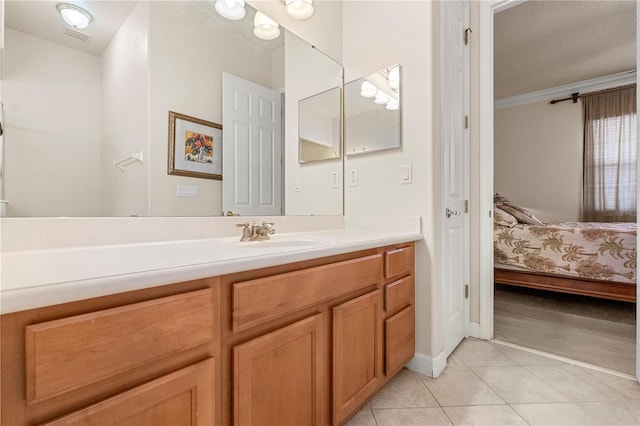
(69, 353)
(263, 299)
(398, 262)
(398, 293)
(399, 340)
(184, 397)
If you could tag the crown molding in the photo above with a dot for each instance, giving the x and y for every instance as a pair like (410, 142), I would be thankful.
(592, 85)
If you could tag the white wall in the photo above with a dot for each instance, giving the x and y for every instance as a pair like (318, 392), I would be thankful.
(538, 158)
(376, 35)
(187, 57)
(51, 97)
(125, 117)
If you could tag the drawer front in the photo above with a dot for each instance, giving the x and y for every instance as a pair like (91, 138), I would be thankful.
(399, 340)
(398, 262)
(398, 293)
(69, 353)
(264, 299)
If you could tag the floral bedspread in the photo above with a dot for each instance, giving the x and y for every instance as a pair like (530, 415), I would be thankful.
(603, 251)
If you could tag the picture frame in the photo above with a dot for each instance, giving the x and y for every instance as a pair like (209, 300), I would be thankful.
(195, 147)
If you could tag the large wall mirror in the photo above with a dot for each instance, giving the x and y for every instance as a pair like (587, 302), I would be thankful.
(76, 101)
(372, 112)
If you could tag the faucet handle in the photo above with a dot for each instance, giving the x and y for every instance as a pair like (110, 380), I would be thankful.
(241, 225)
(270, 227)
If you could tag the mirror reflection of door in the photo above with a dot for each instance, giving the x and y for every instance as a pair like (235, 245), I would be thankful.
(251, 148)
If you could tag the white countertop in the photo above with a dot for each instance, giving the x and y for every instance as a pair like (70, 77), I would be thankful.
(37, 278)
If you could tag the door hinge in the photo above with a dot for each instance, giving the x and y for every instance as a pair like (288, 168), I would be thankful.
(466, 291)
(466, 206)
(467, 35)
(466, 121)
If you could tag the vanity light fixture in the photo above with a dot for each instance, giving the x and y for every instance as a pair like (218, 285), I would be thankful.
(392, 105)
(299, 9)
(367, 90)
(382, 98)
(231, 9)
(394, 78)
(74, 16)
(265, 27)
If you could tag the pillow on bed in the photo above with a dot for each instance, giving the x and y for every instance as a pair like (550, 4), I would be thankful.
(499, 199)
(521, 214)
(500, 217)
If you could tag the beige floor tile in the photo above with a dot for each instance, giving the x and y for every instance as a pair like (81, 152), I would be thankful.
(574, 383)
(563, 413)
(516, 385)
(403, 391)
(619, 413)
(484, 415)
(364, 417)
(481, 353)
(629, 387)
(461, 386)
(454, 361)
(525, 357)
(411, 417)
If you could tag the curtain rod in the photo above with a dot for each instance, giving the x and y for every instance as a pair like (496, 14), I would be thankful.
(574, 96)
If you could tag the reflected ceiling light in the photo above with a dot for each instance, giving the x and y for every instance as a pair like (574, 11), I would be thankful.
(74, 16)
(299, 9)
(265, 27)
(394, 78)
(367, 90)
(392, 105)
(382, 98)
(231, 9)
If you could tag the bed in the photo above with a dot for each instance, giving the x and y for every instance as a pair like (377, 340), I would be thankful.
(585, 258)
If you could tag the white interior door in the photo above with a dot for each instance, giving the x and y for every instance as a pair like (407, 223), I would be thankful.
(251, 148)
(455, 167)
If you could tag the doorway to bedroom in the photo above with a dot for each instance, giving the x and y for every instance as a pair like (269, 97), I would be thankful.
(565, 275)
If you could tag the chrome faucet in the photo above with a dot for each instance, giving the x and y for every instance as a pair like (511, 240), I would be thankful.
(253, 232)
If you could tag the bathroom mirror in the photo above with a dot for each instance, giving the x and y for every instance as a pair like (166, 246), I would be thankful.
(78, 101)
(319, 127)
(372, 112)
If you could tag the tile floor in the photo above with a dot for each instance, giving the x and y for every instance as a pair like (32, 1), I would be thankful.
(486, 383)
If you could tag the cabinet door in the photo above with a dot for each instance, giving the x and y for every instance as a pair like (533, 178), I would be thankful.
(357, 348)
(279, 378)
(184, 398)
(400, 340)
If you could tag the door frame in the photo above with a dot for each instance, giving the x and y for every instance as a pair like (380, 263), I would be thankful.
(487, 11)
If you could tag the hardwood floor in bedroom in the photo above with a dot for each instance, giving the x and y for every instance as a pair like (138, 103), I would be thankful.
(595, 331)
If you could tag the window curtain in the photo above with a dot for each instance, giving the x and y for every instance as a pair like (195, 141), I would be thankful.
(609, 173)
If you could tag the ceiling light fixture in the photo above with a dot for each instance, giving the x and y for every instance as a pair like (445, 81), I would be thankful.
(299, 9)
(265, 27)
(231, 9)
(74, 16)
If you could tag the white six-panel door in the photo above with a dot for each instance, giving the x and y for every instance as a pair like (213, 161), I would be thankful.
(251, 148)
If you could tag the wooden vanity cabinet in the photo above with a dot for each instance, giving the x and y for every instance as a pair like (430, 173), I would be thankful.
(303, 343)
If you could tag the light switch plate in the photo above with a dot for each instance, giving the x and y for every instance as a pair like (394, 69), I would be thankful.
(297, 184)
(405, 174)
(353, 177)
(335, 180)
(190, 191)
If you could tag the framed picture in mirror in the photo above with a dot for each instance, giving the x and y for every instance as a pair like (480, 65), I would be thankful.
(195, 147)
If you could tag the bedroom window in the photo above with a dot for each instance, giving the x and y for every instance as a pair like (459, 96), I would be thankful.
(610, 139)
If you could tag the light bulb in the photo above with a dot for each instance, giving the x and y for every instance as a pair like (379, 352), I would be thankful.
(367, 90)
(265, 27)
(299, 9)
(231, 9)
(392, 105)
(394, 77)
(382, 98)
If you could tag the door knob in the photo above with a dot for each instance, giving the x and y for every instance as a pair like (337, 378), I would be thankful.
(450, 212)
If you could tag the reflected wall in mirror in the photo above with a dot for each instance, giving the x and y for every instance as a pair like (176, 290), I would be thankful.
(319, 127)
(372, 112)
(85, 104)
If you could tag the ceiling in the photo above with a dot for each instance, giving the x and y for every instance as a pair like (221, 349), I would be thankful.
(541, 44)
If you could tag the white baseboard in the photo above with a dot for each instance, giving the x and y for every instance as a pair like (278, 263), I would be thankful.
(429, 366)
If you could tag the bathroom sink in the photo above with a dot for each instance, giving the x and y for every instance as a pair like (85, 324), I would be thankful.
(280, 243)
